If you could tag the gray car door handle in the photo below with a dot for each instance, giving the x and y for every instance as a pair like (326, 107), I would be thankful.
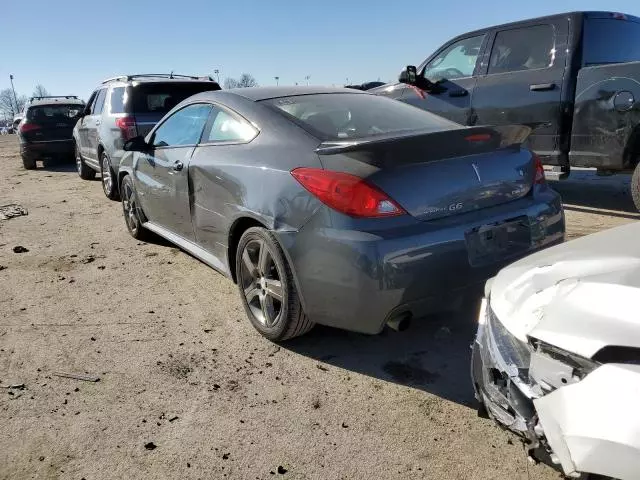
(178, 166)
(541, 87)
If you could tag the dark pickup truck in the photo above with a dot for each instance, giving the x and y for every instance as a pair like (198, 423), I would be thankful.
(575, 76)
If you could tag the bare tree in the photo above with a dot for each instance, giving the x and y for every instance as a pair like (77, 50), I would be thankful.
(7, 105)
(230, 83)
(245, 80)
(40, 91)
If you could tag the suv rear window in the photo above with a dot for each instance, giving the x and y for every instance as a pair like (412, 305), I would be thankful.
(344, 115)
(53, 113)
(162, 97)
(608, 40)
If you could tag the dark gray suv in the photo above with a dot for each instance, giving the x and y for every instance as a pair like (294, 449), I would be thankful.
(122, 108)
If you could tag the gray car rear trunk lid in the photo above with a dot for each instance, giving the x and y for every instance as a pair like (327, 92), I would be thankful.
(438, 174)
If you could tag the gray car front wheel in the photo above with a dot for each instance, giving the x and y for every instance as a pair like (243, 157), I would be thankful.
(267, 289)
(133, 215)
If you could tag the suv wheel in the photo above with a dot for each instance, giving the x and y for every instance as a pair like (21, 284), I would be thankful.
(109, 181)
(86, 173)
(267, 289)
(28, 163)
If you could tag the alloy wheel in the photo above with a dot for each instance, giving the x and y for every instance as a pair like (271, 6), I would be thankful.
(262, 283)
(78, 160)
(129, 208)
(107, 181)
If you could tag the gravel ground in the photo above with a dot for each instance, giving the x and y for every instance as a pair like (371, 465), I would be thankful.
(188, 389)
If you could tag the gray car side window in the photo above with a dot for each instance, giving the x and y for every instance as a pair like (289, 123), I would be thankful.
(183, 127)
(99, 103)
(225, 127)
(458, 60)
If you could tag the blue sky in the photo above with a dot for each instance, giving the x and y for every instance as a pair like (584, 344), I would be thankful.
(70, 45)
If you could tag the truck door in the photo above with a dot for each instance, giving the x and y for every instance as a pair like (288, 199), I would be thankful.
(522, 83)
(452, 69)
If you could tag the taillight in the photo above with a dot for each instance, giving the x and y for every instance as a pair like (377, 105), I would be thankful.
(127, 126)
(347, 193)
(29, 127)
(539, 170)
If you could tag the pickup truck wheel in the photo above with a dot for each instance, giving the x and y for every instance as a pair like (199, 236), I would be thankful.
(635, 187)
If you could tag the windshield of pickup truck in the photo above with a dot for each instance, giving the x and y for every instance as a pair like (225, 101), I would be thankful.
(608, 40)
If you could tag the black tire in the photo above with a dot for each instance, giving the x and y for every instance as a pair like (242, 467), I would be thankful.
(289, 319)
(29, 163)
(133, 215)
(635, 187)
(85, 172)
(109, 180)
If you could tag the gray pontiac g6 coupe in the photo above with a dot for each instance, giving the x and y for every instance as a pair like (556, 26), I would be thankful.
(337, 207)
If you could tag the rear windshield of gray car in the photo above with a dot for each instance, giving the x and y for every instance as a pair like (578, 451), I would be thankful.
(53, 113)
(343, 115)
(608, 40)
(159, 98)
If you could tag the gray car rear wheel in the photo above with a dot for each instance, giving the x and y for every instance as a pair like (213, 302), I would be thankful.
(267, 289)
(109, 181)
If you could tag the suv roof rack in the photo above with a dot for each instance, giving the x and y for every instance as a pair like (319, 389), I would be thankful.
(52, 96)
(171, 75)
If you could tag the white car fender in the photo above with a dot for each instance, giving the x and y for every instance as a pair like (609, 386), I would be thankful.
(594, 425)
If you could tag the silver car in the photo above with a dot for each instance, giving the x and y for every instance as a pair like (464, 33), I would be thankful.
(122, 108)
(335, 206)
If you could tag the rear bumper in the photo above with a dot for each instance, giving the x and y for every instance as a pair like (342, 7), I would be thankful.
(47, 149)
(358, 280)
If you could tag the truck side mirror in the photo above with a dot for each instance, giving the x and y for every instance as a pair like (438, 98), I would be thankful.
(409, 75)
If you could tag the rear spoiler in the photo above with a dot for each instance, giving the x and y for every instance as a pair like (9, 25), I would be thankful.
(439, 144)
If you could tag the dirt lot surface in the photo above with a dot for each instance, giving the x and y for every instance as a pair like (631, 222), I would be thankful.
(181, 369)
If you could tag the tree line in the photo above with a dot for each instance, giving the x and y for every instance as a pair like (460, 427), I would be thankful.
(8, 107)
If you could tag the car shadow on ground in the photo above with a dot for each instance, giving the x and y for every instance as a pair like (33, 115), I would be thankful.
(587, 190)
(433, 355)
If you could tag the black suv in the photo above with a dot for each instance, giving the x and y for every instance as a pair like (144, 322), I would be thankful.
(122, 108)
(46, 129)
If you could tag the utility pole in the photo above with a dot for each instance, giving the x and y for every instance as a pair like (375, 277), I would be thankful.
(277, 80)
(307, 79)
(14, 94)
(217, 72)
(347, 80)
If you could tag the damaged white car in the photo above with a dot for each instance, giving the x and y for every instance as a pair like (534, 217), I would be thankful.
(557, 354)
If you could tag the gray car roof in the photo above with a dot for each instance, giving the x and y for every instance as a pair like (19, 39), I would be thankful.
(264, 93)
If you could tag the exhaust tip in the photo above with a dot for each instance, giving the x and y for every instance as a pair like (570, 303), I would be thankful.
(400, 322)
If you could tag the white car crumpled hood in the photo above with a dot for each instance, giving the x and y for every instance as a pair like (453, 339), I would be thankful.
(579, 296)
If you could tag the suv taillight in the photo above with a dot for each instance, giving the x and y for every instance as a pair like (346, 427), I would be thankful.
(127, 126)
(347, 193)
(539, 170)
(29, 127)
